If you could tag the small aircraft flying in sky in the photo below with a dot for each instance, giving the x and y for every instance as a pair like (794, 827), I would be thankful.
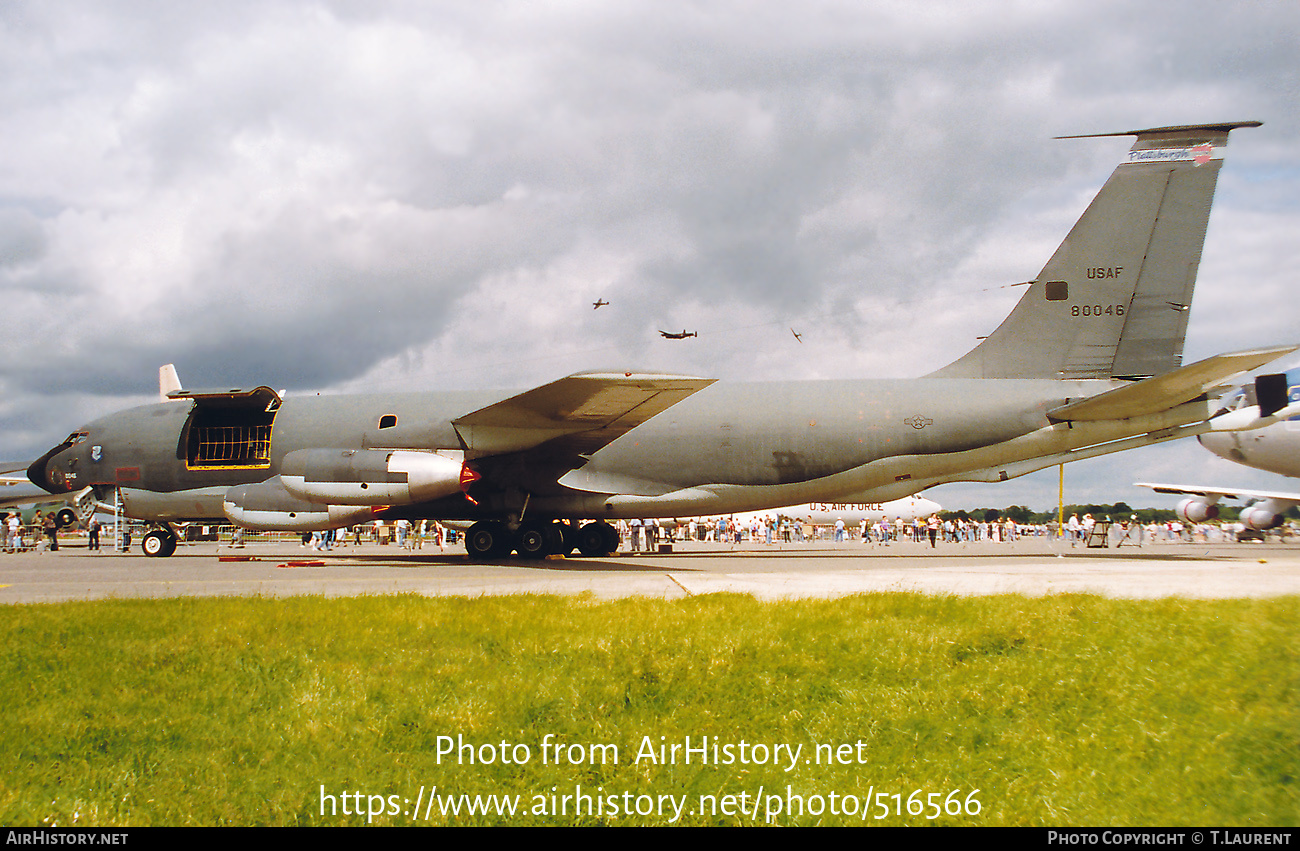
(1275, 448)
(670, 335)
(797, 335)
(598, 304)
(1089, 362)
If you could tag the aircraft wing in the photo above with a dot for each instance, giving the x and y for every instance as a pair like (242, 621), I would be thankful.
(1169, 390)
(15, 490)
(1221, 493)
(1264, 509)
(18, 490)
(577, 414)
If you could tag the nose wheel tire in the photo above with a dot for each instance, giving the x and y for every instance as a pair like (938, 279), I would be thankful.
(158, 543)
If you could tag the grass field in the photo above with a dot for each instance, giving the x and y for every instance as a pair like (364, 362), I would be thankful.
(1069, 710)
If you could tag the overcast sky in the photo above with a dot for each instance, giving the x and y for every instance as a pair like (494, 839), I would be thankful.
(329, 197)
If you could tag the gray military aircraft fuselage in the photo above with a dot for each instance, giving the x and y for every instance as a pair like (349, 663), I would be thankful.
(1088, 363)
(776, 437)
(735, 447)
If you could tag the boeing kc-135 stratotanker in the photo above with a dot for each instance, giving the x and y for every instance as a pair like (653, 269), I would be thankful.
(1088, 363)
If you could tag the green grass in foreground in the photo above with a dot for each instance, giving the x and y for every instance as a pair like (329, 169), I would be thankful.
(1068, 710)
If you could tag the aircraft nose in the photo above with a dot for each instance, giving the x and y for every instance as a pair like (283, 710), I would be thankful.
(1223, 444)
(38, 473)
(47, 475)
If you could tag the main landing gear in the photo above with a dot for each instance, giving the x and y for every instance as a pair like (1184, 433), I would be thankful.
(536, 539)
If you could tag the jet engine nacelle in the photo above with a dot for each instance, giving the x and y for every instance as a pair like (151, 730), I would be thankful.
(270, 507)
(369, 476)
(1197, 510)
(1262, 515)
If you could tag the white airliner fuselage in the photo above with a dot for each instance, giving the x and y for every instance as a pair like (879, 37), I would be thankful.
(1275, 448)
(852, 513)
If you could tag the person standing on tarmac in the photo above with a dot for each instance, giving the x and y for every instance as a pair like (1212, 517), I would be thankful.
(51, 526)
(15, 532)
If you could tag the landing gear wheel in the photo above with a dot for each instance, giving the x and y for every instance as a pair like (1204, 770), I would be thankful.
(535, 540)
(159, 543)
(592, 540)
(487, 539)
(556, 543)
(612, 539)
(598, 539)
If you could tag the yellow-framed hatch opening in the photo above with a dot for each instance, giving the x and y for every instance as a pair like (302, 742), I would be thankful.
(228, 429)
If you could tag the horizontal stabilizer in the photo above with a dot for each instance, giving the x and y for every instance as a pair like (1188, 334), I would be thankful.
(588, 410)
(1166, 391)
(1177, 131)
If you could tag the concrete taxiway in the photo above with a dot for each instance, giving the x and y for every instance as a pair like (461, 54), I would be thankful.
(1031, 566)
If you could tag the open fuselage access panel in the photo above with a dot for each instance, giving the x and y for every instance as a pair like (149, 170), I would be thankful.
(229, 430)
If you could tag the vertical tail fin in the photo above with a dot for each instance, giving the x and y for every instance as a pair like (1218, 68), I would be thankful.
(168, 381)
(1113, 300)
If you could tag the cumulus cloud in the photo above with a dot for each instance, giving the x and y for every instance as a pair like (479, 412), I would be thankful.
(325, 196)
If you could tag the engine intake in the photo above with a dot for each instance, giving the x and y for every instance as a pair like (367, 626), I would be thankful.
(1197, 510)
(1261, 516)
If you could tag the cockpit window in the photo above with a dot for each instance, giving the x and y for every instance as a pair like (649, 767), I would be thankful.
(77, 437)
(388, 421)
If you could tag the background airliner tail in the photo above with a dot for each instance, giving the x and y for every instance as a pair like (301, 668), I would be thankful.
(1113, 300)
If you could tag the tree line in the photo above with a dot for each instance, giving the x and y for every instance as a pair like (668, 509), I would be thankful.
(1118, 511)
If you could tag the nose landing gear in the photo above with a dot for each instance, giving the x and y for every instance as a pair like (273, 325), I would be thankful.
(159, 543)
